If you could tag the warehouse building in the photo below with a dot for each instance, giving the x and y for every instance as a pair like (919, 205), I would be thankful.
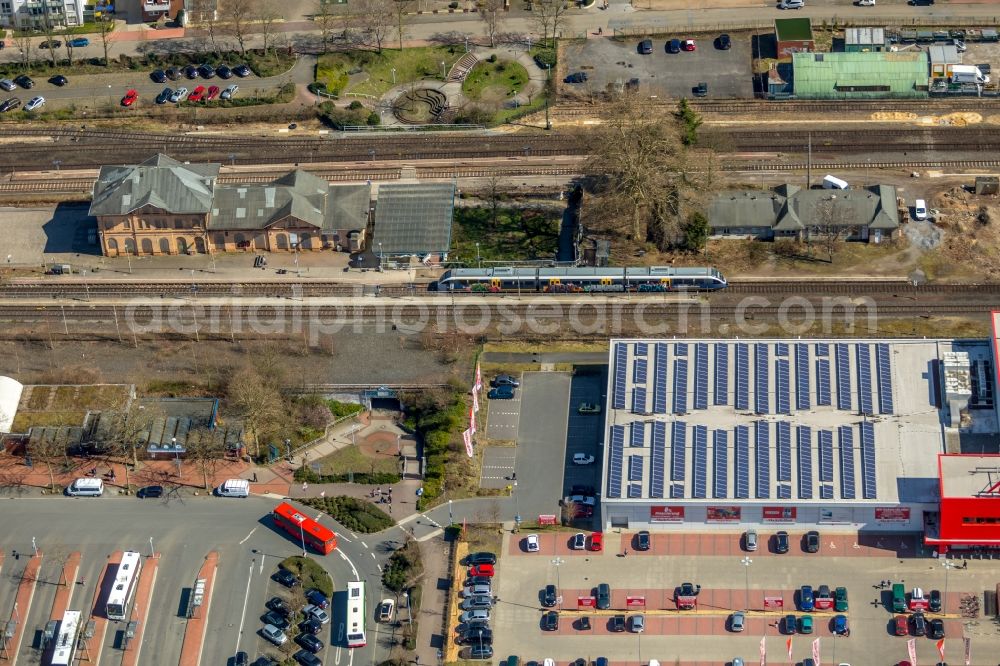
(860, 75)
(832, 433)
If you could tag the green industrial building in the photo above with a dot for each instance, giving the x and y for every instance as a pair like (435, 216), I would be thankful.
(860, 75)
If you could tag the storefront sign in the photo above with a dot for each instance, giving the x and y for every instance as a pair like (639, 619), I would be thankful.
(547, 519)
(635, 602)
(774, 603)
(586, 602)
(666, 514)
(779, 514)
(892, 514)
(835, 515)
(723, 514)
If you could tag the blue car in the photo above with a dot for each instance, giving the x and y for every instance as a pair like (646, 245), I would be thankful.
(806, 601)
(79, 42)
(317, 598)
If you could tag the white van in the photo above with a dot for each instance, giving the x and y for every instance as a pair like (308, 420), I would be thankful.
(834, 183)
(234, 488)
(919, 209)
(791, 4)
(86, 488)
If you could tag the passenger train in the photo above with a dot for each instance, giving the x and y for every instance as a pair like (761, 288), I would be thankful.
(580, 280)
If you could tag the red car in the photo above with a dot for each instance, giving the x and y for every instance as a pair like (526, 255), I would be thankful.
(197, 95)
(902, 627)
(213, 92)
(688, 45)
(597, 541)
(482, 570)
(130, 98)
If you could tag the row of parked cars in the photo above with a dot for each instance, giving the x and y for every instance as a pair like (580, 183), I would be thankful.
(477, 604)
(205, 71)
(311, 619)
(13, 103)
(199, 94)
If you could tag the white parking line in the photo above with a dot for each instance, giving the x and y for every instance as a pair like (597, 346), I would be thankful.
(248, 536)
(341, 536)
(243, 615)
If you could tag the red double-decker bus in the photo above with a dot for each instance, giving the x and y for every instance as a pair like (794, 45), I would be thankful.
(303, 528)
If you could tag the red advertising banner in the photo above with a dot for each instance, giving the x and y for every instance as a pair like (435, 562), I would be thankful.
(823, 603)
(892, 514)
(547, 519)
(586, 602)
(635, 602)
(666, 514)
(774, 603)
(779, 514)
(724, 514)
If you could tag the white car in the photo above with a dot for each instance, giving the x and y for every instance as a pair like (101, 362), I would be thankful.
(579, 541)
(273, 634)
(229, 92)
(959, 45)
(179, 95)
(580, 499)
(791, 4)
(316, 613)
(34, 103)
(474, 615)
(865, 3)
(385, 608)
(531, 543)
(919, 209)
(582, 459)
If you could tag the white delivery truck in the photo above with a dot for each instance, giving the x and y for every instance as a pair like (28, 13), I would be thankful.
(834, 183)
(967, 74)
(234, 488)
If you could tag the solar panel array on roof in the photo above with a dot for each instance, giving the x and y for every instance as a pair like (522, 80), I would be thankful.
(615, 461)
(822, 349)
(802, 376)
(781, 349)
(804, 448)
(721, 374)
(660, 380)
(641, 349)
(865, 379)
(680, 386)
(762, 358)
(784, 451)
(823, 382)
(678, 447)
(634, 490)
(700, 468)
(826, 492)
(681, 349)
(677, 491)
(826, 456)
(658, 462)
(721, 454)
(763, 457)
(742, 376)
(782, 386)
(846, 436)
(621, 367)
(843, 361)
(701, 376)
(868, 479)
(635, 468)
(639, 371)
(638, 400)
(742, 462)
(638, 433)
(784, 491)
(885, 405)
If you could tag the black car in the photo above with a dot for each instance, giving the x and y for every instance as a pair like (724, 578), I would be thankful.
(918, 624)
(10, 105)
(280, 620)
(934, 601)
(164, 96)
(723, 43)
(206, 71)
(505, 380)
(781, 542)
(476, 636)
(646, 46)
(224, 72)
(937, 628)
(481, 558)
(700, 90)
(474, 625)
(265, 661)
(472, 581)
(791, 624)
(576, 77)
(158, 76)
(812, 541)
(279, 605)
(241, 659)
(311, 626)
(920, 3)
(24, 81)
(642, 540)
(673, 46)
(191, 72)
(478, 651)
(309, 642)
(550, 621)
(50, 44)
(549, 596)
(286, 578)
(241, 71)
(306, 658)
(586, 491)
(618, 623)
(173, 73)
(688, 590)
(150, 491)
(59, 80)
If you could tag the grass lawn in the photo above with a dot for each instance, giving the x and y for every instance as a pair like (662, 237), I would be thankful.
(350, 459)
(411, 65)
(517, 234)
(332, 70)
(495, 80)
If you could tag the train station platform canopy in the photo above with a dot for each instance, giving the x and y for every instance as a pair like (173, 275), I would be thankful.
(413, 219)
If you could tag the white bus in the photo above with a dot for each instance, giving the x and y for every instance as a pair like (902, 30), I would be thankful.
(65, 645)
(356, 615)
(126, 580)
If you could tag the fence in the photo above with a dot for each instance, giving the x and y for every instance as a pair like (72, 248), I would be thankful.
(326, 432)
(622, 29)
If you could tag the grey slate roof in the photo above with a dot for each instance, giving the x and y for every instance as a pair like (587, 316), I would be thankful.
(160, 181)
(790, 208)
(413, 219)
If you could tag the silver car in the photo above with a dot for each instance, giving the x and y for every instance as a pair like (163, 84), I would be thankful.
(750, 540)
(737, 621)
(638, 624)
(316, 613)
(273, 634)
(7, 84)
(179, 95)
(477, 590)
(229, 92)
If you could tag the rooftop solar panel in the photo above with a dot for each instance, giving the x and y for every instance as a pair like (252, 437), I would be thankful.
(701, 376)
(783, 386)
(826, 492)
(784, 491)
(865, 379)
(639, 400)
(742, 376)
(823, 382)
(846, 436)
(762, 358)
(621, 367)
(615, 472)
(680, 349)
(641, 349)
(843, 361)
(637, 433)
(784, 450)
(868, 479)
(660, 380)
(826, 456)
(885, 405)
(680, 386)
(720, 453)
(822, 349)
(658, 459)
(678, 449)
(763, 457)
(639, 371)
(700, 467)
(741, 454)
(677, 491)
(634, 490)
(721, 374)
(781, 349)
(635, 468)
(802, 376)
(804, 449)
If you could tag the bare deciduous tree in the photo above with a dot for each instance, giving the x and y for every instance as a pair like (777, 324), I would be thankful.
(237, 17)
(49, 30)
(492, 13)
(50, 451)
(830, 225)
(401, 9)
(104, 27)
(266, 14)
(206, 450)
(207, 14)
(256, 401)
(23, 42)
(124, 426)
(375, 19)
(548, 15)
(325, 21)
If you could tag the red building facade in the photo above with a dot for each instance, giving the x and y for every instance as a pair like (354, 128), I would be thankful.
(969, 512)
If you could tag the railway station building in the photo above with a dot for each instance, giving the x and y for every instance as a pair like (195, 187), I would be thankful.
(855, 434)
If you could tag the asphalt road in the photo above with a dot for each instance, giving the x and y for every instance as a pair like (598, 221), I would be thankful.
(183, 531)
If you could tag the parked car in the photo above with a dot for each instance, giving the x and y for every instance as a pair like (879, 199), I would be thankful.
(673, 46)
(482, 602)
(812, 541)
(901, 626)
(920, 210)
(7, 84)
(474, 615)
(750, 540)
(576, 77)
(919, 624)
(642, 540)
(478, 580)
(206, 71)
(840, 625)
(920, 3)
(934, 601)
(179, 95)
(531, 543)
(477, 590)
(279, 605)
(550, 621)
(550, 596)
(197, 95)
(10, 105)
(164, 96)
(309, 642)
(34, 104)
(936, 628)
(481, 558)
(485, 570)
(504, 380)
(276, 619)
(806, 599)
(50, 44)
(737, 621)
(242, 71)
(781, 542)
(150, 492)
(791, 4)
(603, 596)
(58, 80)
(229, 92)
(646, 46)
(314, 611)
(213, 92)
(597, 541)
(700, 90)
(130, 97)
(618, 623)
(306, 658)
(481, 652)
(638, 624)
(24, 81)
(791, 624)
(579, 541)
(479, 635)
(274, 634)
(840, 600)
(317, 598)
(865, 3)
(806, 624)
(582, 459)
(172, 73)
(501, 393)
(224, 72)
(191, 72)
(80, 42)
(723, 42)
(688, 45)
(286, 578)
(311, 626)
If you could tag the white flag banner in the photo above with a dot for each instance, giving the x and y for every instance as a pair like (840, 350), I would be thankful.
(816, 651)
(968, 651)
(911, 648)
(763, 651)
(475, 401)
(479, 379)
(472, 421)
(467, 438)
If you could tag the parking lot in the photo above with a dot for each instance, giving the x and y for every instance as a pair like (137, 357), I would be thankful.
(610, 62)
(729, 583)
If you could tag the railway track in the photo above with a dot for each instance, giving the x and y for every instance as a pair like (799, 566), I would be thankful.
(920, 107)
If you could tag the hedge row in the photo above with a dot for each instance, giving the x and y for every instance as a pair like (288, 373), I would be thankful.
(355, 514)
(438, 420)
(377, 478)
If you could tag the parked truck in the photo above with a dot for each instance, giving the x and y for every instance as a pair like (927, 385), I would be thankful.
(967, 74)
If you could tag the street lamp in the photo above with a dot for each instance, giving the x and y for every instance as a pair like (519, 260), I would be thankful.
(443, 74)
(479, 261)
(517, 509)
(746, 562)
(380, 257)
(948, 566)
(393, 76)
(177, 455)
(302, 535)
(152, 553)
(558, 562)
(451, 517)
